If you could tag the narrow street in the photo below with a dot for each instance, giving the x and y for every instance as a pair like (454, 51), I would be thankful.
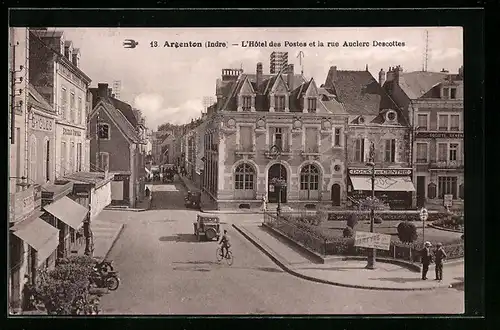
(164, 270)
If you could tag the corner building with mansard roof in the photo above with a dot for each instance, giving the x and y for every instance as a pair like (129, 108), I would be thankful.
(256, 111)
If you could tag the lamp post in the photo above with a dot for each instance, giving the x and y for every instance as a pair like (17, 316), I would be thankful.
(371, 163)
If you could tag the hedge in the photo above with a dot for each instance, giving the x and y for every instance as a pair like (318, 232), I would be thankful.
(385, 215)
(328, 244)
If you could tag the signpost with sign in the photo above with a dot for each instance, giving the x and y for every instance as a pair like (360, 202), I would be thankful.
(423, 216)
(372, 240)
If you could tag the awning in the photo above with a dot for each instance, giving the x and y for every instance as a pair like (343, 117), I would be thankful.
(385, 183)
(68, 211)
(40, 235)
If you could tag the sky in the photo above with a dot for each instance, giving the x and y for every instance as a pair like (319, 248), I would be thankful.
(169, 84)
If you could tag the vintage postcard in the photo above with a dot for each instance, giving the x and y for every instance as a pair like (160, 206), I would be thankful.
(213, 171)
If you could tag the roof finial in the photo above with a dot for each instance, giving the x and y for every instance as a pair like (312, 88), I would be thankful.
(366, 67)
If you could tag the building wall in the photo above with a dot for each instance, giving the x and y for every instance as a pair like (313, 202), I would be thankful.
(100, 198)
(18, 162)
(117, 147)
(42, 129)
(230, 156)
(431, 169)
(17, 156)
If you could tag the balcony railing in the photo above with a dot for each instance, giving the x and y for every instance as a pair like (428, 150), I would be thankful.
(451, 164)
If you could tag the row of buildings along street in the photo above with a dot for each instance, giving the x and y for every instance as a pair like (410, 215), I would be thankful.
(324, 131)
(63, 174)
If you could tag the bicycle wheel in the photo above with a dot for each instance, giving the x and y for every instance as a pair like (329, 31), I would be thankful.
(229, 258)
(218, 253)
(113, 282)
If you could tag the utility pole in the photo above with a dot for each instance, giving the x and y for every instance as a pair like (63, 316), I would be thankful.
(372, 251)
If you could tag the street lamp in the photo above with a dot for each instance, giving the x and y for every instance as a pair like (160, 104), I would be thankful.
(371, 163)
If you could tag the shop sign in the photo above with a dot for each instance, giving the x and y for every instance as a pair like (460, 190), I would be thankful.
(41, 123)
(121, 177)
(448, 200)
(80, 191)
(381, 171)
(448, 135)
(372, 240)
(74, 132)
(24, 204)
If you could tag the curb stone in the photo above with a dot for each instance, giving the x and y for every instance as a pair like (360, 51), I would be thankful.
(313, 279)
(115, 238)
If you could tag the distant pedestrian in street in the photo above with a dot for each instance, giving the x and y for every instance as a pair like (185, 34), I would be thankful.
(147, 192)
(426, 259)
(264, 202)
(439, 256)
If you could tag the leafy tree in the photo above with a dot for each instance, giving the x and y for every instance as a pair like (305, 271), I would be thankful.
(407, 232)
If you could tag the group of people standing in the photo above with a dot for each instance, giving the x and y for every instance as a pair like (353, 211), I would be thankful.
(437, 256)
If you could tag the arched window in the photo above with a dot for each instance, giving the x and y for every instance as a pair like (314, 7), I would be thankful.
(309, 182)
(33, 155)
(244, 177)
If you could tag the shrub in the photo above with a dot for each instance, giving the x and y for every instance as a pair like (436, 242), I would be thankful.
(60, 287)
(407, 232)
(348, 232)
(352, 220)
(377, 220)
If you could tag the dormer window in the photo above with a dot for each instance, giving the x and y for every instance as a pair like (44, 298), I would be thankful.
(279, 103)
(391, 116)
(446, 93)
(453, 93)
(311, 104)
(247, 103)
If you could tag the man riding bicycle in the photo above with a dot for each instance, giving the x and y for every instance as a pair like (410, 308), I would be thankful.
(224, 241)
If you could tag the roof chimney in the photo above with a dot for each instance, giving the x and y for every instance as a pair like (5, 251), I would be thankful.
(332, 75)
(102, 90)
(444, 71)
(258, 74)
(290, 74)
(461, 72)
(76, 57)
(110, 92)
(381, 77)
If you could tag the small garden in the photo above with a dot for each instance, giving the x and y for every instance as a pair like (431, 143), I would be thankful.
(336, 237)
(452, 222)
(63, 290)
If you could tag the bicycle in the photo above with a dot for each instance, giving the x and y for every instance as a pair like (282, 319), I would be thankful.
(228, 256)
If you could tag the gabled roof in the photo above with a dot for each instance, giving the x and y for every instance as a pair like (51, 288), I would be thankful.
(38, 100)
(119, 119)
(126, 110)
(358, 91)
(416, 84)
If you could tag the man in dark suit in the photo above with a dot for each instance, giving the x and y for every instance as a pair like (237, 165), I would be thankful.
(426, 259)
(439, 256)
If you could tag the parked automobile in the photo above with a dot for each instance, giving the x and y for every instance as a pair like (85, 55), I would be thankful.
(207, 226)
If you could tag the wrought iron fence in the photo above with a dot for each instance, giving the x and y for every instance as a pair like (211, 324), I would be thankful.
(306, 238)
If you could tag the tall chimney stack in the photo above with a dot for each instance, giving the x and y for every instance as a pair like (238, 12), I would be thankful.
(381, 77)
(258, 74)
(290, 74)
(102, 90)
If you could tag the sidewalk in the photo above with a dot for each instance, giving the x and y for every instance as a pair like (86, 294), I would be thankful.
(140, 206)
(348, 273)
(105, 235)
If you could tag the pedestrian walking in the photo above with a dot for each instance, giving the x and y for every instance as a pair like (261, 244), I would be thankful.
(426, 259)
(264, 202)
(439, 256)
